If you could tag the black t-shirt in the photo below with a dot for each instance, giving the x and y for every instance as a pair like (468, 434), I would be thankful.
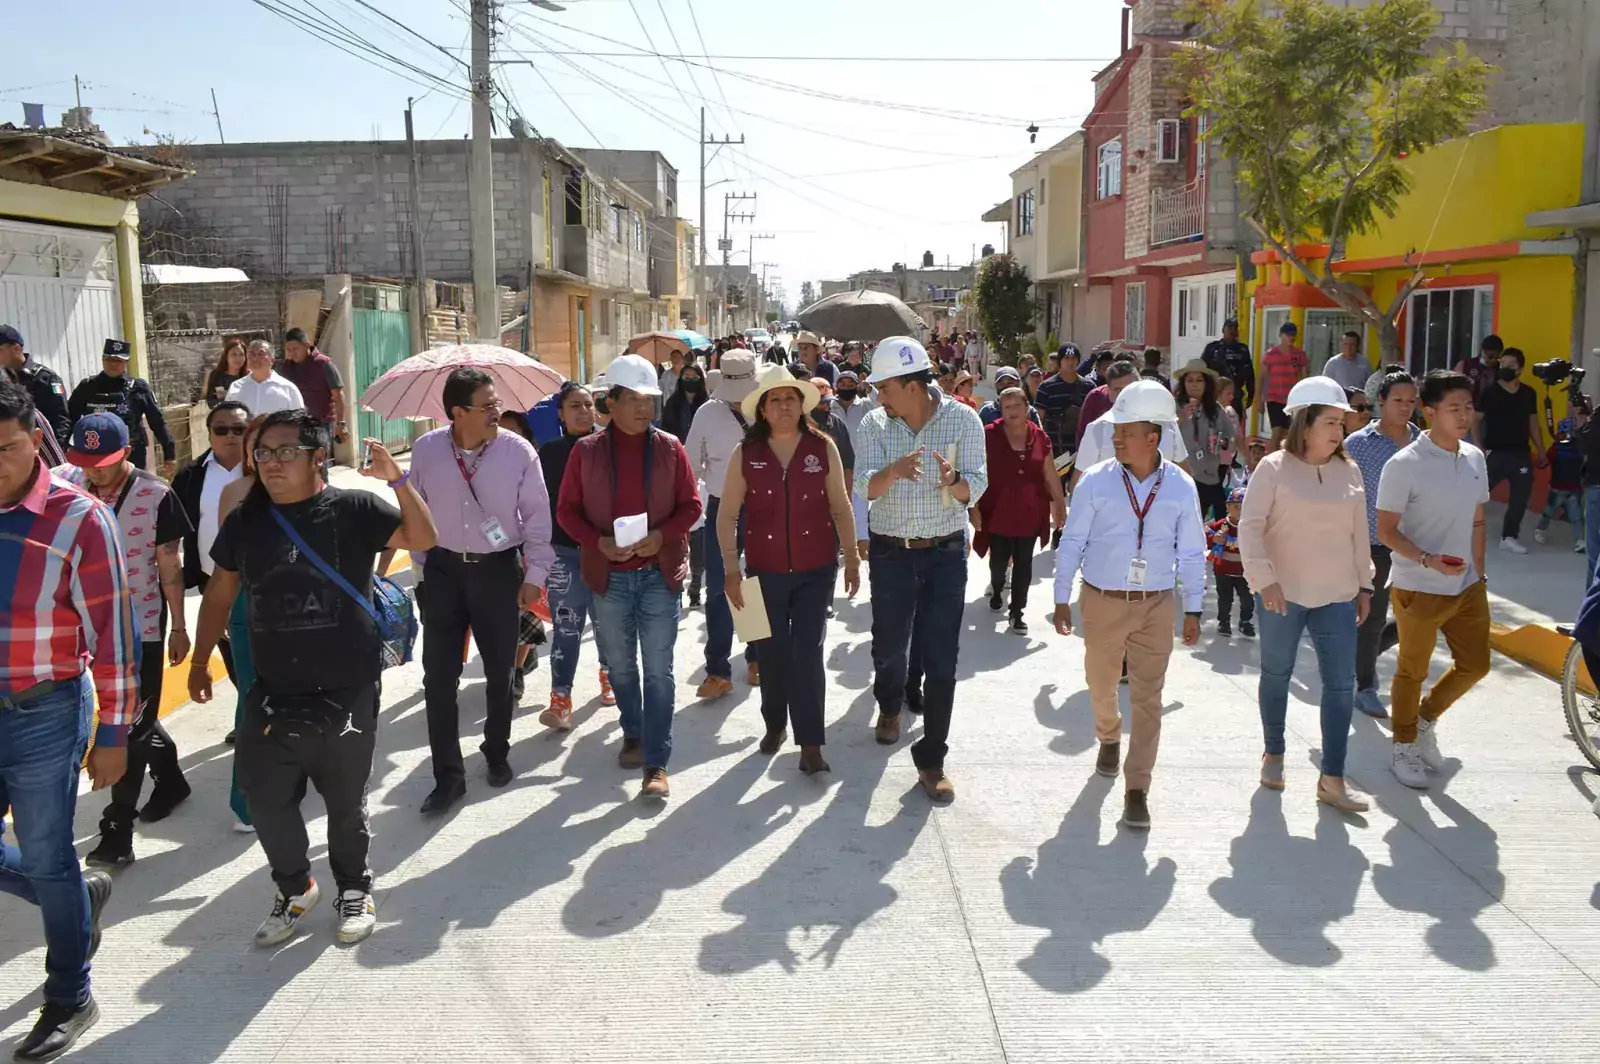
(306, 634)
(1505, 417)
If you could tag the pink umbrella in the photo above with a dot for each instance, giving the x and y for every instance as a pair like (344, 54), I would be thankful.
(414, 389)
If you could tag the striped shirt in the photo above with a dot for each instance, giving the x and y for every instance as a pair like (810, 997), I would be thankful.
(916, 509)
(1283, 367)
(69, 606)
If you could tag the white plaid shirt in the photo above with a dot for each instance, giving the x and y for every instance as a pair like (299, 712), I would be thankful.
(915, 509)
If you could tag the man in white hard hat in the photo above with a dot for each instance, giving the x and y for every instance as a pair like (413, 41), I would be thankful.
(1134, 531)
(717, 430)
(921, 463)
(1095, 445)
(634, 470)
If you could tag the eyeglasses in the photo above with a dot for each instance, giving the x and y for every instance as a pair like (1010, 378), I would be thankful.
(229, 430)
(493, 404)
(1362, 409)
(286, 453)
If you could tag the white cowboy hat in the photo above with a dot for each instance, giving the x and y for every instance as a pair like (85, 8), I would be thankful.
(738, 376)
(776, 376)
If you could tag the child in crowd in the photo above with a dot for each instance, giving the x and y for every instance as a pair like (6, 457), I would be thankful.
(1223, 535)
(1238, 477)
(1566, 486)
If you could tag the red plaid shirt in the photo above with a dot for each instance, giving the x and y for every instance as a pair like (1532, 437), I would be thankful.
(69, 607)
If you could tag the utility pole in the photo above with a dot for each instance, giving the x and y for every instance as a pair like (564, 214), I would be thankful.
(704, 144)
(217, 114)
(725, 245)
(419, 272)
(480, 179)
(77, 91)
(751, 302)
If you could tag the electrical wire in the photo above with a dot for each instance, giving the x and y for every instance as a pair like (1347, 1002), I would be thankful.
(664, 68)
(425, 40)
(854, 58)
(332, 33)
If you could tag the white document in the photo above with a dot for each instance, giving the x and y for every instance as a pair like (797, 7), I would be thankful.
(631, 529)
(751, 622)
(945, 493)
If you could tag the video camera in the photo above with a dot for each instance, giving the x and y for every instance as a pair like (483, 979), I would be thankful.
(1557, 370)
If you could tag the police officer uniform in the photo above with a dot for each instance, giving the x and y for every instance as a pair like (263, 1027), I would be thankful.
(130, 398)
(45, 386)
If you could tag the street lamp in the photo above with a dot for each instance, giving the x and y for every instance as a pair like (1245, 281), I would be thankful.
(548, 5)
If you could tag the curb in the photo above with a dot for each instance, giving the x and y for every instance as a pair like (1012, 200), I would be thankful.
(1539, 647)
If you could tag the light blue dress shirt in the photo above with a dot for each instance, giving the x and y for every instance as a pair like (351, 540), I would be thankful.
(1101, 537)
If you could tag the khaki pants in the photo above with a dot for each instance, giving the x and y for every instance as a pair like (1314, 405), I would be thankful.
(1419, 619)
(1142, 629)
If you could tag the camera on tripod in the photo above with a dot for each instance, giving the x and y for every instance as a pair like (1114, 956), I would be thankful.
(1557, 370)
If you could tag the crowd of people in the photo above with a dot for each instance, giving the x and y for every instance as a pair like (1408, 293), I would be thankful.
(755, 478)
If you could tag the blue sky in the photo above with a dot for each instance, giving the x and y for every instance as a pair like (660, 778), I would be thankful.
(841, 185)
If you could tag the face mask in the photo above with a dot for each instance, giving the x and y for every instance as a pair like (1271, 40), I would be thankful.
(691, 384)
(1509, 373)
(847, 394)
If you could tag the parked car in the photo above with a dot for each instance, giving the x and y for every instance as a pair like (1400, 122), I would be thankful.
(758, 339)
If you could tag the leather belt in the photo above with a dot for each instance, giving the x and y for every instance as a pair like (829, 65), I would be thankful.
(921, 544)
(474, 557)
(1129, 596)
(38, 691)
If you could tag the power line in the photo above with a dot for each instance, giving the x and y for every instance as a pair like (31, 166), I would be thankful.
(850, 58)
(340, 37)
(716, 77)
(664, 68)
(390, 18)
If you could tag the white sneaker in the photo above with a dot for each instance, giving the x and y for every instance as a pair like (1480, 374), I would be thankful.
(1577, 548)
(358, 915)
(1538, 535)
(244, 829)
(1428, 744)
(1407, 766)
(1509, 544)
(286, 914)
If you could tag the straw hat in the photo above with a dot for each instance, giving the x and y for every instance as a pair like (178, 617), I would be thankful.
(776, 376)
(1194, 365)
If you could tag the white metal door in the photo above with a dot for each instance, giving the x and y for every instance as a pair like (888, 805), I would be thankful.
(1199, 307)
(58, 287)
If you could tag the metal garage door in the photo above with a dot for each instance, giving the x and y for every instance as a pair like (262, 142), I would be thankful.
(58, 286)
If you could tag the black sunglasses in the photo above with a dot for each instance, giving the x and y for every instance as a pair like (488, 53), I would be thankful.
(229, 430)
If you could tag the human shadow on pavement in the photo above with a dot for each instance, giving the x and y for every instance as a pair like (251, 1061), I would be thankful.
(1082, 891)
(1289, 887)
(830, 880)
(1074, 718)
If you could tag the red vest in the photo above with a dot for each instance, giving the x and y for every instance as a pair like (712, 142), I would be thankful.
(663, 453)
(788, 526)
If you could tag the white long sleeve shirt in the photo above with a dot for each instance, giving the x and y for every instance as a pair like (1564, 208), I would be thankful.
(713, 435)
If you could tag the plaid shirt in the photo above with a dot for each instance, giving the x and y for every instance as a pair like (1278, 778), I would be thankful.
(69, 606)
(916, 510)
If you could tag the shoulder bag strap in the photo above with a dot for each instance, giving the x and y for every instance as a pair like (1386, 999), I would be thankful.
(328, 571)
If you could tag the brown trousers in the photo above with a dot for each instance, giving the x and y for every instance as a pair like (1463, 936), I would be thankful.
(1143, 630)
(1419, 618)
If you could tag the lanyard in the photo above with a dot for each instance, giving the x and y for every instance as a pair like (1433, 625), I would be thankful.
(468, 474)
(1133, 500)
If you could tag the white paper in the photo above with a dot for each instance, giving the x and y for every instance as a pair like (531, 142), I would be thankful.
(631, 529)
(751, 622)
(945, 493)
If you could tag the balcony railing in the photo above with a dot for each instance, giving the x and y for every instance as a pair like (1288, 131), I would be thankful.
(1178, 214)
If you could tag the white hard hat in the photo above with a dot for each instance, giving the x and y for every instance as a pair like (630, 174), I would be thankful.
(1145, 401)
(1317, 391)
(635, 373)
(898, 356)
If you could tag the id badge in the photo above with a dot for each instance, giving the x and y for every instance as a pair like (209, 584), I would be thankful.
(1136, 571)
(494, 533)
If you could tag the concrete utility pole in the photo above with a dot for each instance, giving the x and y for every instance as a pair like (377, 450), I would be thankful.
(480, 179)
(751, 302)
(725, 245)
(704, 144)
(419, 272)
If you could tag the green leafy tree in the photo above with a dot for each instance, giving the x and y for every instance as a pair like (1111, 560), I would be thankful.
(1317, 107)
(808, 294)
(1001, 296)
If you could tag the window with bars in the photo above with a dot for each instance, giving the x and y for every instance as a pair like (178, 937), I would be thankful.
(1109, 181)
(1169, 140)
(1133, 313)
(1025, 209)
(1447, 325)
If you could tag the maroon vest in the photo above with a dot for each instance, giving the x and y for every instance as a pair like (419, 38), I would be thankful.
(663, 455)
(788, 526)
(311, 377)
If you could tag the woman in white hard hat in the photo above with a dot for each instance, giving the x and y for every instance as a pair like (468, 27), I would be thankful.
(1303, 541)
(789, 479)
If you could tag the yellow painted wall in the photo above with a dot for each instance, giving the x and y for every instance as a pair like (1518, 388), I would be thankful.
(1480, 189)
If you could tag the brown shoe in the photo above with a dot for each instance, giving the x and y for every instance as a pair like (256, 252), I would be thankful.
(632, 754)
(938, 785)
(1136, 810)
(714, 687)
(888, 729)
(752, 674)
(655, 783)
(772, 742)
(1110, 759)
(811, 761)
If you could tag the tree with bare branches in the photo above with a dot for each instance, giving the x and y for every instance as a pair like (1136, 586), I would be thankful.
(1318, 106)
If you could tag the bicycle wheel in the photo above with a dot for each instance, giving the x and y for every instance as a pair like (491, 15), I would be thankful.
(1583, 709)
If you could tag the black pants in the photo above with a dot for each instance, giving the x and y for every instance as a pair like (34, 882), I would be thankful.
(1016, 553)
(792, 679)
(697, 560)
(1379, 633)
(275, 765)
(1516, 467)
(149, 746)
(480, 596)
(1227, 587)
(918, 591)
(1213, 501)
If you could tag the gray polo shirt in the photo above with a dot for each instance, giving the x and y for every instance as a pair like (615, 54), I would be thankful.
(1349, 372)
(1437, 494)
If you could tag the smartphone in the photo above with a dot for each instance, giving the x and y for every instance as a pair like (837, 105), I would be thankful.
(366, 455)
(1451, 559)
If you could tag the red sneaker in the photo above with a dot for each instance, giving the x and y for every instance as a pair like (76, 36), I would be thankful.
(608, 697)
(559, 713)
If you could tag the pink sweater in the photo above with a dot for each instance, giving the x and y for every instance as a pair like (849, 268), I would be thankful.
(1304, 528)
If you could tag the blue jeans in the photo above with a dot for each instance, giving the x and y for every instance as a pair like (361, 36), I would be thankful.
(719, 619)
(1591, 529)
(925, 588)
(244, 677)
(42, 744)
(637, 618)
(1333, 636)
(569, 607)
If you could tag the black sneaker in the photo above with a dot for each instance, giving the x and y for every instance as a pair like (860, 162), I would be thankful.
(1247, 629)
(99, 885)
(500, 773)
(230, 737)
(58, 1030)
(1224, 627)
(694, 599)
(114, 851)
(519, 684)
(164, 799)
(1136, 810)
(913, 702)
(1019, 626)
(996, 603)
